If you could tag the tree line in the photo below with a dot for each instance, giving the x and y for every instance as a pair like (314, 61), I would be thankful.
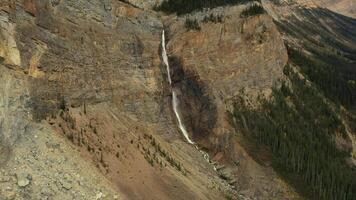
(187, 6)
(252, 10)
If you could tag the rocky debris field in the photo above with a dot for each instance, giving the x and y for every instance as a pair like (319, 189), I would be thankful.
(44, 166)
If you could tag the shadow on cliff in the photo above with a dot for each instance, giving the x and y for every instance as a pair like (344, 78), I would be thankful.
(198, 111)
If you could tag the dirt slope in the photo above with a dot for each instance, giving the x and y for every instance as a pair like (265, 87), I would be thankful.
(344, 7)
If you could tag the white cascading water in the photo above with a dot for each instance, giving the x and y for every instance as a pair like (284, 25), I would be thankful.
(175, 101)
(175, 109)
(165, 58)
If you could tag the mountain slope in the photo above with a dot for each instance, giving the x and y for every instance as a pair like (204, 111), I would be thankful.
(86, 103)
(91, 71)
(218, 60)
(344, 7)
(309, 122)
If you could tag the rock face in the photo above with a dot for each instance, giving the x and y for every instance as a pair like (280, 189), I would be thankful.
(90, 71)
(148, 4)
(70, 42)
(212, 66)
(230, 56)
(85, 103)
(14, 113)
(9, 52)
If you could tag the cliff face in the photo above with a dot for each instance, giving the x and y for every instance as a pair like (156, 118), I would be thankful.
(35, 162)
(219, 61)
(85, 104)
(14, 92)
(90, 72)
(226, 57)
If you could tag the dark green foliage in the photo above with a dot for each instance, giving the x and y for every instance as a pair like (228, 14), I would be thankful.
(85, 108)
(62, 104)
(149, 160)
(192, 24)
(333, 79)
(228, 197)
(252, 10)
(213, 18)
(152, 156)
(128, 2)
(298, 125)
(188, 6)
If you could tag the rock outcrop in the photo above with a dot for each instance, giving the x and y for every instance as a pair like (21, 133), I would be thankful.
(148, 4)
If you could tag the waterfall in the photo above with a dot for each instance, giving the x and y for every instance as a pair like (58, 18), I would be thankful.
(165, 58)
(175, 101)
(175, 109)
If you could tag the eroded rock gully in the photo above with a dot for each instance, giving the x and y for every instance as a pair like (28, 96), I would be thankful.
(91, 71)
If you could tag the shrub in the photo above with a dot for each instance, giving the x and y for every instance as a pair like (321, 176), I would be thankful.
(188, 6)
(192, 24)
(254, 9)
(213, 18)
